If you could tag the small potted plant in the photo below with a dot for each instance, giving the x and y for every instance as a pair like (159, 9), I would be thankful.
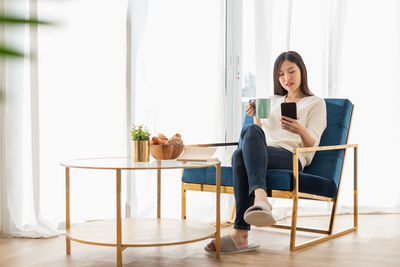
(140, 143)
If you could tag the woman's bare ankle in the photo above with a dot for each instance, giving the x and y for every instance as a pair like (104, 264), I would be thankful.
(266, 201)
(241, 232)
(261, 196)
(241, 238)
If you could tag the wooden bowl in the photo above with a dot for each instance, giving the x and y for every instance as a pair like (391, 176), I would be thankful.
(166, 151)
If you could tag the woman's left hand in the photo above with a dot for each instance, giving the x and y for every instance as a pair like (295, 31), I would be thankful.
(292, 125)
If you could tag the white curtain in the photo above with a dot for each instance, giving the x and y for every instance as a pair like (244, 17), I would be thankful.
(136, 24)
(20, 193)
(312, 27)
(71, 106)
(179, 88)
(82, 62)
(351, 51)
(369, 77)
(89, 94)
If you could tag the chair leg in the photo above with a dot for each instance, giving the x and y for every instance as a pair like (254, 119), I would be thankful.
(333, 215)
(183, 202)
(332, 235)
(294, 223)
(231, 219)
(355, 181)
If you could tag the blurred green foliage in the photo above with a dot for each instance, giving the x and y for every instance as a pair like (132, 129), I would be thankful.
(5, 19)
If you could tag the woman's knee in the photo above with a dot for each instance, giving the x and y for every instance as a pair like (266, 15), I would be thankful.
(237, 157)
(253, 131)
(253, 127)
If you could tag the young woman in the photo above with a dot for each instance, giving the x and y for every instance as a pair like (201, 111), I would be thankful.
(268, 144)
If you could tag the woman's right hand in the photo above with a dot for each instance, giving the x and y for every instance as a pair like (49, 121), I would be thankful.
(250, 108)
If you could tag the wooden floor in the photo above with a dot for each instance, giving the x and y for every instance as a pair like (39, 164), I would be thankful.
(376, 243)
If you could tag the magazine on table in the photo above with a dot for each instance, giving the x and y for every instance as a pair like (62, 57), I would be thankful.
(198, 154)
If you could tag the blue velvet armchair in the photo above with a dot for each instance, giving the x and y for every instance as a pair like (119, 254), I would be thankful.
(319, 181)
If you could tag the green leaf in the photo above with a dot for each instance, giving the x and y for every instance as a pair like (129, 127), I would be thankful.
(5, 19)
(17, 20)
(4, 51)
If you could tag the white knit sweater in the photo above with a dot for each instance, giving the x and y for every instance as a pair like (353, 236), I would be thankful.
(311, 111)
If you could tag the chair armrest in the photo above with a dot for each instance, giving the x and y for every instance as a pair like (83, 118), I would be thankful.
(298, 150)
(321, 148)
(213, 144)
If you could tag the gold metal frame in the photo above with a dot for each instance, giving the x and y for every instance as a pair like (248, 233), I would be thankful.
(295, 195)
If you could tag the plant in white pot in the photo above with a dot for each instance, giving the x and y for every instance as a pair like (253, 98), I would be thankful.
(140, 143)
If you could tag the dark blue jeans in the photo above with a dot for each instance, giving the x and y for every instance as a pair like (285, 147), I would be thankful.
(249, 165)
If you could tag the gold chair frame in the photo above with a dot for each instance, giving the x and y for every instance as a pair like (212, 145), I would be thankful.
(295, 195)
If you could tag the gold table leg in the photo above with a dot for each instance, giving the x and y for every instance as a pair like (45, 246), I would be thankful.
(183, 201)
(158, 193)
(218, 208)
(67, 214)
(295, 202)
(119, 224)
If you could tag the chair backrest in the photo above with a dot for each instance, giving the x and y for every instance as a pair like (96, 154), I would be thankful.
(329, 163)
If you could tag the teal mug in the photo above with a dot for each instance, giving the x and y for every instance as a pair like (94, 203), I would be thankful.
(263, 108)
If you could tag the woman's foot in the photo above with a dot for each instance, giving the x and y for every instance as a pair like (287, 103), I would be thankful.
(259, 215)
(261, 196)
(240, 237)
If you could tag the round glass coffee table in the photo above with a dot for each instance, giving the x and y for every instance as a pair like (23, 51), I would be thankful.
(139, 232)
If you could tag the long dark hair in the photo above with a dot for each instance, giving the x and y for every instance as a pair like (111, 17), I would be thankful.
(294, 57)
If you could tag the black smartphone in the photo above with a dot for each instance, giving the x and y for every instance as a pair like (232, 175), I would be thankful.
(289, 109)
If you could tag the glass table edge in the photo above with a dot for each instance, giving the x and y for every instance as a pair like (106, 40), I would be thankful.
(197, 164)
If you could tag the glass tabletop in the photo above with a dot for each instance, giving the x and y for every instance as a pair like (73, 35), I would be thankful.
(128, 164)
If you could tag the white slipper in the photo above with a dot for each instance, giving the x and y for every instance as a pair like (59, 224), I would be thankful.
(228, 246)
(259, 215)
